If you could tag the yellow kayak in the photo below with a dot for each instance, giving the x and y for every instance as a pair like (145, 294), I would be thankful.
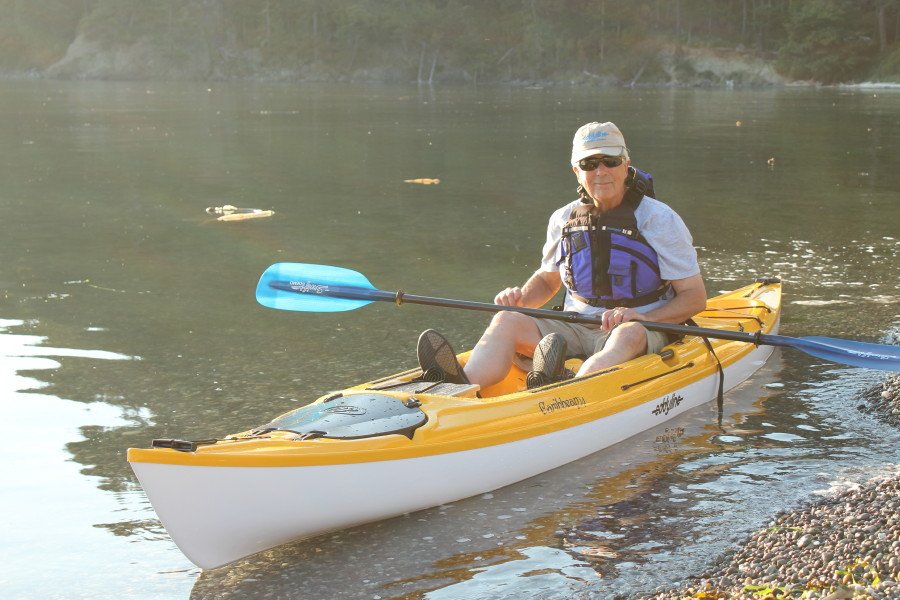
(396, 445)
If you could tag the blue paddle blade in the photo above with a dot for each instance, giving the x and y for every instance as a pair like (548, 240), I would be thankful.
(313, 288)
(849, 352)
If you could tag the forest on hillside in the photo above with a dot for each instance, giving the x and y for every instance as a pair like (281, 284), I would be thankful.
(827, 41)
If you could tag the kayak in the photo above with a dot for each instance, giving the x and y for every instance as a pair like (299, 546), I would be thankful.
(397, 444)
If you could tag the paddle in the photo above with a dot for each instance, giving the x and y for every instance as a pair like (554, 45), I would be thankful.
(322, 288)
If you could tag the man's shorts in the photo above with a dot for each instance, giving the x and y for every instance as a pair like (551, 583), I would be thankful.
(586, 340)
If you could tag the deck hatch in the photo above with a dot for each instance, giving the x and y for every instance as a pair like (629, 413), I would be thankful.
(353, 417)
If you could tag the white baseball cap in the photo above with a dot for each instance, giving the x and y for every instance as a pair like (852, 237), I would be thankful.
(598, 138)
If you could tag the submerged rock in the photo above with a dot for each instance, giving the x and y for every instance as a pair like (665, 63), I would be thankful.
(883, 401)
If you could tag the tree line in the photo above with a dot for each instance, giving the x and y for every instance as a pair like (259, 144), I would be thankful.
(498, 40)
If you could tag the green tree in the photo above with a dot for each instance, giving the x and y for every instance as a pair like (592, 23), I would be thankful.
(828, 41)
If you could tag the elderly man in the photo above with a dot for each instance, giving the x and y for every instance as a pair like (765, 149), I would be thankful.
(619, 253)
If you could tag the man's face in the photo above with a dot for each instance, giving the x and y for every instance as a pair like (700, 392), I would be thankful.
(604, 183)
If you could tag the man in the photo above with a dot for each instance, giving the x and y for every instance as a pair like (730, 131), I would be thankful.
(620, 254)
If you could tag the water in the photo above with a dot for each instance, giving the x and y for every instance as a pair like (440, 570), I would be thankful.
(128, 314)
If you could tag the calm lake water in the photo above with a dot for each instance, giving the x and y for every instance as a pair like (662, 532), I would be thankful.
(127, 313)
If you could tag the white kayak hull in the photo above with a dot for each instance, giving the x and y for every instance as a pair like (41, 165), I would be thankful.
(219, 514)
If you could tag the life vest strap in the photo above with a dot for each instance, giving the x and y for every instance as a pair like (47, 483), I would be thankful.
(626, 302)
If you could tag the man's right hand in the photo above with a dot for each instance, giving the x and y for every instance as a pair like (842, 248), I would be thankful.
(539, 288)
(509, 297)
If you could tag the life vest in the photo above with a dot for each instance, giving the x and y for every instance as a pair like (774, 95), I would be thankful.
(607, 262)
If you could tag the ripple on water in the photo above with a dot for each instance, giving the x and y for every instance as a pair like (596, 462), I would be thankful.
(783, 437)
(819, 302)
(538, 571)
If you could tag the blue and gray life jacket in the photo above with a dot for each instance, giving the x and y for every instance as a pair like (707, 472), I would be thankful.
(607, 262)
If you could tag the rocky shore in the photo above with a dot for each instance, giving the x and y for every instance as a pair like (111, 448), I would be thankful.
(844, 546)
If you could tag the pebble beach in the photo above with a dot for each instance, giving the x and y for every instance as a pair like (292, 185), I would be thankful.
(846, 545)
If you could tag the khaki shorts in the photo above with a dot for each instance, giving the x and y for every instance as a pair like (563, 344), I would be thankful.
(586, 340)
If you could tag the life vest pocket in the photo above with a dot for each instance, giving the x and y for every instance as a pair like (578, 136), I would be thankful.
(579, 240)
(622, 279)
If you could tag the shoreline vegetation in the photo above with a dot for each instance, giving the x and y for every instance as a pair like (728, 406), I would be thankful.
(843, 546)
(531, 43)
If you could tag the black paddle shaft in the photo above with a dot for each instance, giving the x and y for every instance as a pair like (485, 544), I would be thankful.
(400, 297)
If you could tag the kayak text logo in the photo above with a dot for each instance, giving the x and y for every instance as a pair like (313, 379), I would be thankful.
(344, 409)
(667, 404)
(305, 287)
(559, 404)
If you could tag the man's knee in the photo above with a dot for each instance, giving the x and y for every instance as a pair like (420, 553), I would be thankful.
(509, 321)
(514, 328)
(631, 336)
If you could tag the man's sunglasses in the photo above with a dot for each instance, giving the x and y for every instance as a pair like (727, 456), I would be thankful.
(592, 162)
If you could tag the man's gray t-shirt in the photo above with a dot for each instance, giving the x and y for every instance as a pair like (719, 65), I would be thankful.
(661, 227)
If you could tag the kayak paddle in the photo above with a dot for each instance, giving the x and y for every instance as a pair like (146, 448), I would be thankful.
(323, 288)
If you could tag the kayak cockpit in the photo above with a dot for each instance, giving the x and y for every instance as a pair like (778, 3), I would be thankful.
(748, 309)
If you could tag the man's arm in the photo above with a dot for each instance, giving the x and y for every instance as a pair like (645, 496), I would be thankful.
(536, 292)
(690, 298)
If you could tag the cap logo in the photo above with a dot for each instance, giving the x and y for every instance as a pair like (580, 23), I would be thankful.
(596, 136)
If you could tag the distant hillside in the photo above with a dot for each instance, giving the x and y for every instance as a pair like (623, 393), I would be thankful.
(640, 42)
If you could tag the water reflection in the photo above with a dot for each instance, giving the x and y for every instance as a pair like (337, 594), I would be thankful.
(536, 572)
(52, 507)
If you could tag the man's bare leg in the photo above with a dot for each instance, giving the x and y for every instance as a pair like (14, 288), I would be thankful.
(626, 341)
(493, 356)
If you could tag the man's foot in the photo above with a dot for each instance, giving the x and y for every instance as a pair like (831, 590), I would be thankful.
(549, 361)
(437, 359)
